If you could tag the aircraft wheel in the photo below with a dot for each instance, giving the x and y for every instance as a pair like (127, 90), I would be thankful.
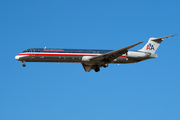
(105, 65)
(97, 69)
(24, 65)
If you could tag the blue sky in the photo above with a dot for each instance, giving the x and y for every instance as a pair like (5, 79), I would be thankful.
(142, 91)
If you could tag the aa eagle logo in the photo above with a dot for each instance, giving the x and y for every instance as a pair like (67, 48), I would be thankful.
(150, 47)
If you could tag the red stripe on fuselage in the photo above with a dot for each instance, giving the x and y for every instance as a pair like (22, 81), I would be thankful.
(57, 54)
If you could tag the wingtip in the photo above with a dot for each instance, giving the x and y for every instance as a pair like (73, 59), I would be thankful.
(140, 42)
(174, 35)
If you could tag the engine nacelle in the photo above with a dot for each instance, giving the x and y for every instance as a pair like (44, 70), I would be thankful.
(134, 54)
(86, 58)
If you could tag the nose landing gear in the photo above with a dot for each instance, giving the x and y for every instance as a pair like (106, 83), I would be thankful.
(24, 65)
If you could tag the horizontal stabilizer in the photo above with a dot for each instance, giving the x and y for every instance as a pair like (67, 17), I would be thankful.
(163, 37)
(153, 44)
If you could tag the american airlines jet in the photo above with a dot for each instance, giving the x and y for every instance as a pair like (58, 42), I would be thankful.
(92, 59)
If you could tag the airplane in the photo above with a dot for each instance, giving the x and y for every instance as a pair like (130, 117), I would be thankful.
(92, 59)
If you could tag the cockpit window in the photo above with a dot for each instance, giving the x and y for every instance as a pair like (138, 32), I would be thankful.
(26, 50)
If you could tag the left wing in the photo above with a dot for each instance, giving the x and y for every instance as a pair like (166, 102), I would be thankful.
(109, 57)
(100, 60)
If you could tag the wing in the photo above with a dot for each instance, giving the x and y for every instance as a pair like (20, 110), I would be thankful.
(87, 67)
(109, 57)
(100, 60)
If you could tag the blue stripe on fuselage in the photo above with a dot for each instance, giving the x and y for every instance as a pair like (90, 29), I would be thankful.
(53, 50)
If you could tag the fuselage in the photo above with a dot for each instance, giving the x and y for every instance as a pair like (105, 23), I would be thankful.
(77, 55)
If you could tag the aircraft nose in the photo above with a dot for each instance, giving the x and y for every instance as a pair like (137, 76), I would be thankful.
(17, 57)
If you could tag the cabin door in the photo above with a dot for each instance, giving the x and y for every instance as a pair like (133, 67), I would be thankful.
(33, 53)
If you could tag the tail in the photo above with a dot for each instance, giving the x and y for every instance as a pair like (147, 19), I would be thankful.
(153, 44)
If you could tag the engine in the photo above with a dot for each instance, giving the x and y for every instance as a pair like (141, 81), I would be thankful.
(136, 54)
(86, 58)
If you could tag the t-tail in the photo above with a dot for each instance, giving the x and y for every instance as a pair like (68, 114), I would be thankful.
(153, 44)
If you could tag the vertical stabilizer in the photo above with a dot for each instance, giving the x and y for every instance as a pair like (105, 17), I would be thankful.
(152, 45)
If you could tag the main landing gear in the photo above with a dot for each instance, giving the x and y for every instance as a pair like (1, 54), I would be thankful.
(24, 65)
(105, 65)
(97, 69)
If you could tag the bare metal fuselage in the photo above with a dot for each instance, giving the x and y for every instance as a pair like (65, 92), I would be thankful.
(130, 57)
